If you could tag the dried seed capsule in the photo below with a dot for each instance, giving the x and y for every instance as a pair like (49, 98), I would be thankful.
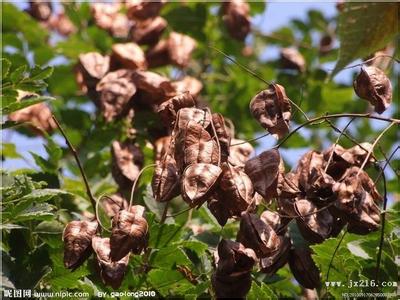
(169, 109)
(165, 182)
(158, 55)
(161, 148)
(320, 187)
(91, 68)
(111, 272)
(116, 90)
(307, 163)
(236, 189)
(199, 182)
(314, 226)
(263, 171)
(62, 24)
(128, 56)
(240, 152)
(188, 84)
(148, 32)
(254, 233)
(292, 59)
(303, 268)
(113, 204)
(271, 108)
(236, 16)
(222, 134)
(180, 49)
(127, 160)
(157, 88)
(108, 17)
(325, 44)
(129, 232)
(373, 85)
(216, 205)
(77, 237)
(40, 10)
(271, 264)
(140, 10)
(187, 114)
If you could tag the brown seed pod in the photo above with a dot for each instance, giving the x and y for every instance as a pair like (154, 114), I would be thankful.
(129, 232)
(236, 189)
(180, 49)
(263, 171)
(188, 84)
(239, 154)
(193, 144)
(325, 44)
(271, 108)
(236, 16)
(156, 87)
(292, 59)
(91, 68)
(374, 86)
(40, 10)
(161, 148)
(307, 163)
(320, 187)
(107, 17)
(111, 272)
(148, 32)
(199, 182)
(38, 116)
(127, 160)
(254, 233)
(140, 10)
(314, 226)
(113, 204)
(128, 56)
(116, 89)
(62, 24)
(165, 182)
(187, 114)
(273, 219)
(271, 264)
(217, 207)
(288, 185)
(368, 218)
(77, 237)
(303, 268)
(222, 134)
(158, 55)
(169, 109)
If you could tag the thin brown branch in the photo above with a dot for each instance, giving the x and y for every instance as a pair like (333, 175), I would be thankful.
(386, 164)
(75, 154)
(333, 255)
(371, 59)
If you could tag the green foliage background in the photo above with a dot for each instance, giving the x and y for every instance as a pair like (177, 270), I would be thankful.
(38, 202)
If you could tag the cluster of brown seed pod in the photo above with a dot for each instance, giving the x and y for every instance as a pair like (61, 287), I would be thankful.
(129, 234)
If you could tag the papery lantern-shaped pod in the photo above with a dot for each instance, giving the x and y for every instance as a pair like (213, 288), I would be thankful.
(217, 207)
(91, 68)
(77, 237)
(128, 56)
(38, 116)
(62, 24)
(373, 85)
(315, 226)
(193, 114)
(168, 110)
(271, 264)
(232, 277)
(303, 268)
(199, 182)
(287, 187)
(158, 55)
(180, 47)
(236, 190)
(161, 148)
(320, 187)
(326, 44)
(165, 182)
(188, 84)
(274, 220)
(129, 232)
(143, 9)
(309, 161)
(157, 88)
(236, 16)
(240, 152)
(222, 135)
(193, 144)
(113, 204)
(127, 160)
(254, 233)
(104, 14)
(271, 108)
(111, 272)
(40, 10)
(263, 171)
(148, 31)
(292, 59)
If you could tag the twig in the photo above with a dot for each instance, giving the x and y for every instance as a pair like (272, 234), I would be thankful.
(383, 214)
(97, 212)
(251, 140)
(71, 147)
(373, 146)
(336, 142)
(396, 171)
(387, 162)
(179, 213)
(333, 255)
(135, 183)
(371, 59)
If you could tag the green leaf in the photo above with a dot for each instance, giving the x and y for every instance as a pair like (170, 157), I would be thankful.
(169, 282)
(260, 292)
(365, 28)
(38, 73)
(22, 104)
(41, 211)
(196, 246)
(168, 257)
(10, 151)
(5, 68)
(18, 74)
(163, 235)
